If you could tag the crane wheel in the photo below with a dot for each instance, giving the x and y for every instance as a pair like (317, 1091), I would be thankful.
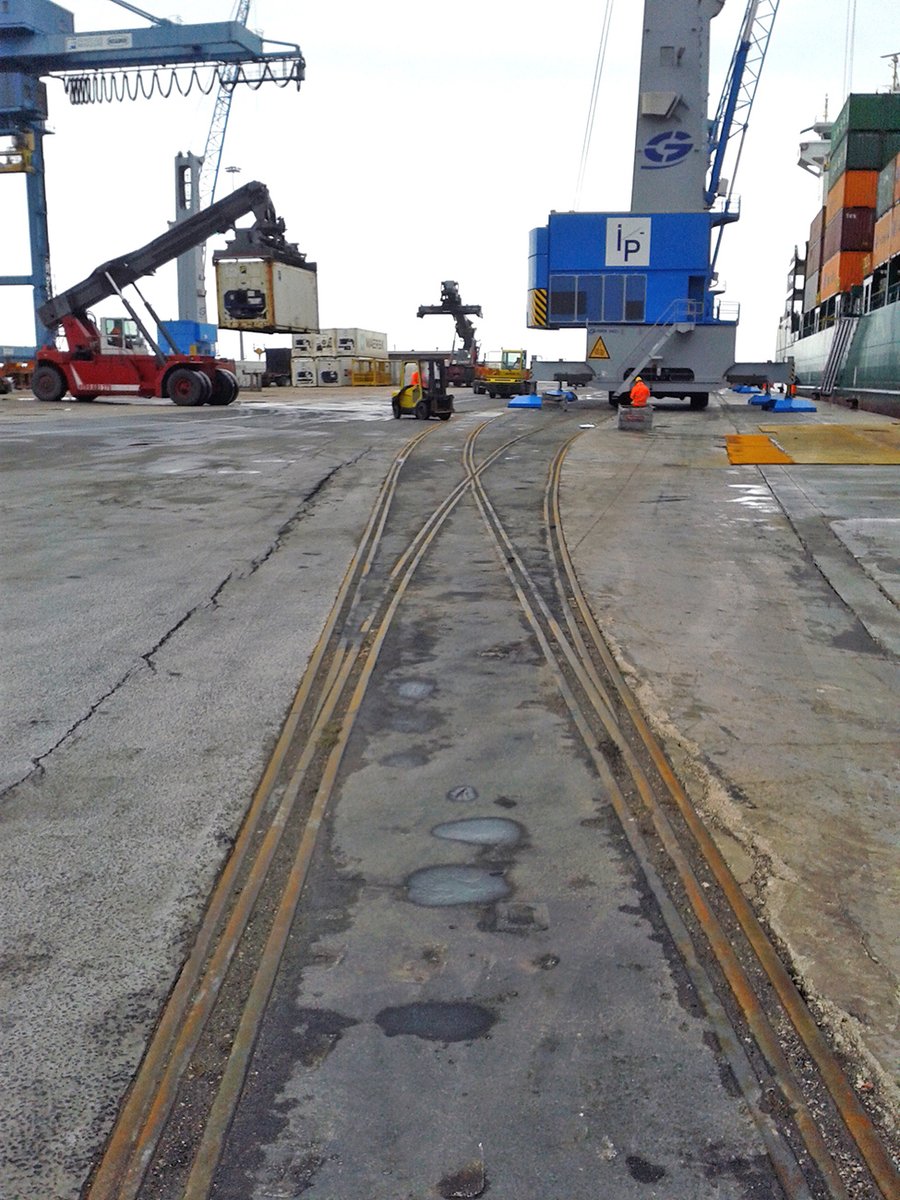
(187, 387)
(225, 387)
(699, 400)
(47, 382)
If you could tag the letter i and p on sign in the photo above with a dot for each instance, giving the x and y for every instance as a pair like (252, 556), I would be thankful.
(628, 241)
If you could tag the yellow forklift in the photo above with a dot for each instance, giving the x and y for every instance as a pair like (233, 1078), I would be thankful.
(423, 392)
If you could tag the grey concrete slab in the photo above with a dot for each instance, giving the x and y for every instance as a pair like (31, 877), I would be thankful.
(754, 611)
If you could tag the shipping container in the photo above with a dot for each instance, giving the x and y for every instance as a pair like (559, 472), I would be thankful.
(881, 243)
(361, 342)
(861, 151)
(328, 372)
(851, 229)
(811, 291)
(896, 177)
(325, 343)
(884, 197)
(895, 229)
(814, 245)
(303, 371)
(266, 296)
(302, 343)
(869, 111)
(841, 272)
(854, 189)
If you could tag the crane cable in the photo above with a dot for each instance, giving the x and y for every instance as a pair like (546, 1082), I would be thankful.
(592, 106)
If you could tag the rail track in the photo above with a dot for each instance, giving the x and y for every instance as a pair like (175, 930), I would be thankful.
(173, 1124)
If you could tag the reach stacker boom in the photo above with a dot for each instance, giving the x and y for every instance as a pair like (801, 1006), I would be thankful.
(118, 355)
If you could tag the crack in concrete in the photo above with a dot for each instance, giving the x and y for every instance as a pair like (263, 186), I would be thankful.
(212, 601)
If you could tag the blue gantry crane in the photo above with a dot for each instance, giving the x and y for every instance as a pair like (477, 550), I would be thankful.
(38, 40)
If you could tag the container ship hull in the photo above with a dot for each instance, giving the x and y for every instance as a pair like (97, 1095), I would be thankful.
(841, 325)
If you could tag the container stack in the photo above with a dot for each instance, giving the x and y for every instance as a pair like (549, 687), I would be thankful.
(340, 358)
(886, 241)
(865, 137)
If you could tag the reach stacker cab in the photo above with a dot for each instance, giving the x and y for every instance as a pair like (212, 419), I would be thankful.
(117, 355)
(423, 392)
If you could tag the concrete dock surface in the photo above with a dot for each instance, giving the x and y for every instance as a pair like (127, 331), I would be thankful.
(752, 608)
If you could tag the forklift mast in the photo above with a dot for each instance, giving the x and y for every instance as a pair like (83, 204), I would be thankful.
(267, 235)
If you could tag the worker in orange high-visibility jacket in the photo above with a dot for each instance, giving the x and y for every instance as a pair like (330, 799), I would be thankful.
(639, 394)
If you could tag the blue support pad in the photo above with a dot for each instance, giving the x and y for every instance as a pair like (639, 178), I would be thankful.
(524, 402)
(792, 404)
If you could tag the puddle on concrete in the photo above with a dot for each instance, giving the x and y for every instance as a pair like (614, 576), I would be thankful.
(480, 831)
(416, 689)
(438, 887)
(437, 1021)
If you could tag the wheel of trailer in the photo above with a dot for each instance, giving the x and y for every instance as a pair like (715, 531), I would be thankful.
(224, 387)
(187, 387)
(48, 382)
(422, 413)
(395, 409)
(700, 400)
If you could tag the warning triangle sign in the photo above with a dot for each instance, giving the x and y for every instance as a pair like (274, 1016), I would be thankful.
(599, 350)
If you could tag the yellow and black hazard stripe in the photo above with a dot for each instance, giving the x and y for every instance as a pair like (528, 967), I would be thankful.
(537, 308)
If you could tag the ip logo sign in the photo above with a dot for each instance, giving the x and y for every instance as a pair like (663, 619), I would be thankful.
(628, 241)
(667, 149)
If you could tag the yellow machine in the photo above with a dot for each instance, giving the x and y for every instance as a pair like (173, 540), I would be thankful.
(423, 392)
(504, 377)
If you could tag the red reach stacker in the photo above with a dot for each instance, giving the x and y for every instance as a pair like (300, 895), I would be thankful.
(119, 355)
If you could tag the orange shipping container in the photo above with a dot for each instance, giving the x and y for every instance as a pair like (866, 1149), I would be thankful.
(854, 189)
(841, 272)
(895, 229)
(881, 247)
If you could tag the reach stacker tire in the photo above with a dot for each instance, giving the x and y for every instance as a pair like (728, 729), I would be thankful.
(188, 388)
(48, 383)
(225, 387)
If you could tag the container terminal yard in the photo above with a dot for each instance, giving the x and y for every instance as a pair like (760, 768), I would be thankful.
(431, 774)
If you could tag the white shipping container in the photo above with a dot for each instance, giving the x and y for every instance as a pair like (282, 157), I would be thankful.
(324, 343)
(361, 343)
(328, 372)
(346, 365)
(266, 296)
(304, 343)
(303, 372)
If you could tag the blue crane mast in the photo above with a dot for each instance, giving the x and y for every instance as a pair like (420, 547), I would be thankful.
(38, 39)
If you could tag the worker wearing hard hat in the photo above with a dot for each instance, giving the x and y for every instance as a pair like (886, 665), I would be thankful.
(639, 394)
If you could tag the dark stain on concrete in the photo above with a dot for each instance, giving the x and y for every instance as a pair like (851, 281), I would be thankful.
(316, 1032)
(644, 1171)
(437, 1021)
(464, 1184)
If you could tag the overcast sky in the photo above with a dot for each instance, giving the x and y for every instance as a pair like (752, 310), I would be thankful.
(424, 145)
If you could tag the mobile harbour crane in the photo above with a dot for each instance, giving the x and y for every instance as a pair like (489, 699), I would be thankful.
(109, 357)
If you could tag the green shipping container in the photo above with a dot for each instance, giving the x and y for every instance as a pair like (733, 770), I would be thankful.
(875, 111)
(861, 150)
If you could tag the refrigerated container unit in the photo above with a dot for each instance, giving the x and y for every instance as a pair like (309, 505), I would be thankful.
(266, 296)
(328, 372)
(303, 372)
(361, 343)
